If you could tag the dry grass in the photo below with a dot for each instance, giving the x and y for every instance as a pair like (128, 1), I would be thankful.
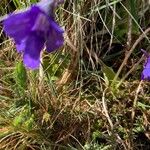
(78, 105)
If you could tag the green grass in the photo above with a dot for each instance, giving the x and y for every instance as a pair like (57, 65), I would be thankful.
(88, 95)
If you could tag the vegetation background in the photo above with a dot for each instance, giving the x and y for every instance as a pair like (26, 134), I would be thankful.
(88, 95)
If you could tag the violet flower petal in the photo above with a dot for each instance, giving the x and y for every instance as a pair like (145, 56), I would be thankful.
(55, 41)
(20, 46)
(41, 23)
(55, 37)
(146, 71)
(34, 28)
(18, 26)
(34, 45)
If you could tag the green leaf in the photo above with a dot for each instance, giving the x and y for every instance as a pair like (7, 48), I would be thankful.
(20, 75)
(17, 122)
(29, 123)
(108, 72)
(143, 106)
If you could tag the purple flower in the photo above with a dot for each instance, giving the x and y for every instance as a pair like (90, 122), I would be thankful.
(146, 71)
(33, 29)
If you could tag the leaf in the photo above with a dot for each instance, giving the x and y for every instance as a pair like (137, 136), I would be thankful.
(108, 72)
(143, 106)
(17, 122)
(20, 75)
(29, 123)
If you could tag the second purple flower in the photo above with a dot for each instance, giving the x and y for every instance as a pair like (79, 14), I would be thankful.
(146, 70)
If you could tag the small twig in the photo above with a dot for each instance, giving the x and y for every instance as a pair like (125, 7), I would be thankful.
(77, 141)
(72, 66)
(135, 100)
(129, 35)
(105, 110)
(130, 52)
(133, 111)
(41, 73)
(121, 141)
(113, 27)
(127, 74)
(135, 21)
